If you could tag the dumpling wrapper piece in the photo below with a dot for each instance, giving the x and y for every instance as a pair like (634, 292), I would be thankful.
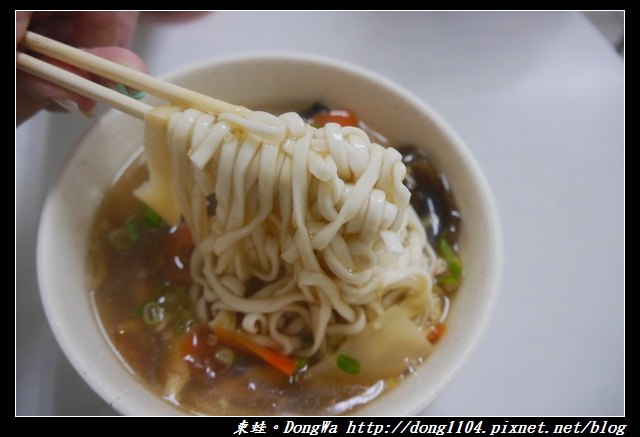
(384, 349)
(158, 192)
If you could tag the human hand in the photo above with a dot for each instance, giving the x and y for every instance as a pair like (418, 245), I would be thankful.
(106, 34)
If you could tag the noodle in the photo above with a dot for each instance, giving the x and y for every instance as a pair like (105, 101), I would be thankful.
(312, 237)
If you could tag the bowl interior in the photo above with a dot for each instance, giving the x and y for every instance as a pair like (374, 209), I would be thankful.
(258, 81)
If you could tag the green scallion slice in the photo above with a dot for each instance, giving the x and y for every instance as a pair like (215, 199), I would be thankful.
(348, 364)
(454, 266)
(151, 218)
(152, 313)
(134, 230)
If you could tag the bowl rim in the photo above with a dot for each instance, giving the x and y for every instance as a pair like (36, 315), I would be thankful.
(493, 281)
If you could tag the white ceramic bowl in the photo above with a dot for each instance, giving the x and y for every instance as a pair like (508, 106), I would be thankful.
(258, 80)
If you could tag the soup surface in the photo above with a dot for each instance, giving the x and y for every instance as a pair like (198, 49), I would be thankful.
(140, 281)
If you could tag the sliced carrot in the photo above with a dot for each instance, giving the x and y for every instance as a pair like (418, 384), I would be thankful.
(340, 116)
(436, 332)
(281, 362)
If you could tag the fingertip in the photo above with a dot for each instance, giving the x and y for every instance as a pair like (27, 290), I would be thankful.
(22, 23)
(121, 56)
(45, 92)
(82, 107)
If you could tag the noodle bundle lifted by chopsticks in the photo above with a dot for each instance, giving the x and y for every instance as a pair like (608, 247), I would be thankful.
(303, 235)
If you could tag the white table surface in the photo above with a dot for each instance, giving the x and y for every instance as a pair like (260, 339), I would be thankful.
(538, 97)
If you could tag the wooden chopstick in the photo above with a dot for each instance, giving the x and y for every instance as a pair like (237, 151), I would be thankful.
(118, 73)
(80, 85)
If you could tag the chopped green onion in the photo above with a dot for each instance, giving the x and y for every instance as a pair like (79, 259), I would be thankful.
(454, 266)
(125, 237)
(134, 230)
(448, 280)
(348, 364)
(151, 218)
(137, 311)
(152, 313)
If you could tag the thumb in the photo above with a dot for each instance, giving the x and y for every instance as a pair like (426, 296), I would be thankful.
(34, 94)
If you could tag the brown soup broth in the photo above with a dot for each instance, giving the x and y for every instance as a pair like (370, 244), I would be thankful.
(139, 279)
(123, 280)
